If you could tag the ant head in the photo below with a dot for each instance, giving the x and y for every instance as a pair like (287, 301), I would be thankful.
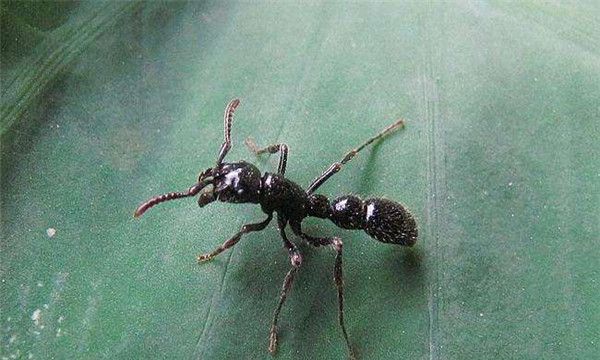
(236, 182)
(233, 183)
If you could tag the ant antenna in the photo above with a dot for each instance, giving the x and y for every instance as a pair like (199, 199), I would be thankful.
(227, 121)
(193, 190)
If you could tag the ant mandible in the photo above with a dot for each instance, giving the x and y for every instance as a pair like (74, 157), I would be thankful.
(242, 182)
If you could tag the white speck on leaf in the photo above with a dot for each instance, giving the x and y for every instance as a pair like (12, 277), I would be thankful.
(36, 317)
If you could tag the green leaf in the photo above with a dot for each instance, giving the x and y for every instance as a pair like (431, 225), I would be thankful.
(106, 104)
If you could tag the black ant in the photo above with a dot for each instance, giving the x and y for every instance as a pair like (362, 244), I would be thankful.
(241, 182)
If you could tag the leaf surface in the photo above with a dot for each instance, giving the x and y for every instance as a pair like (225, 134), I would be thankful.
(107, 104)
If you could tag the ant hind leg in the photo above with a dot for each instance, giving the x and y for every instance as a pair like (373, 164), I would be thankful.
(337, 166)
(338, 276)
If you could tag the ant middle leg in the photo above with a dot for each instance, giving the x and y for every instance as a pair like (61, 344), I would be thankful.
(337, 166)
(271, 149)
(235, 239)
(338, 276)
(296, 260)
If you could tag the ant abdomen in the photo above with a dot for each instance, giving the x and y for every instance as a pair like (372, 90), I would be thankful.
(384, 220)
(390, 222)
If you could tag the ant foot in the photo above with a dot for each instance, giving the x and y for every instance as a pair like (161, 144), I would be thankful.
(204, 258)
(273, 340)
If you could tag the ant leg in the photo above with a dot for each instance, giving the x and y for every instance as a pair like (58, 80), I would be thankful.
(227, 121)
(296, 260)
(234, 240)
(338, 275)
(337, 166)
(272, 149)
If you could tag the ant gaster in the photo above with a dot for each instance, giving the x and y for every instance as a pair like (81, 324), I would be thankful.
(241, 182)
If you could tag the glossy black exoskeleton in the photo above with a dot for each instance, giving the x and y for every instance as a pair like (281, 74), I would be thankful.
(241, 182)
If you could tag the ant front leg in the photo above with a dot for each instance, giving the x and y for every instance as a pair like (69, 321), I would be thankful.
(271, 149)
(296, 260)
(338, 276)
(234, 240)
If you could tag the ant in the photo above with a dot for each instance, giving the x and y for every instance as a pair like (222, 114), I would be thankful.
(241, 182)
